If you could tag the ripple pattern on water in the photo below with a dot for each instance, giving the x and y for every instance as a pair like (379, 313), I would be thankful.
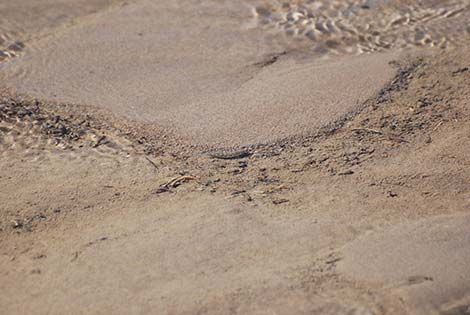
(9, 46)
(365, 26)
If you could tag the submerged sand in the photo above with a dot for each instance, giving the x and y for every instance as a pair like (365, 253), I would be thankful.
(201, 71)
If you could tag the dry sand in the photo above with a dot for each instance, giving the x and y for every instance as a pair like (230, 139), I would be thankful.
(351, 196)
(426, 262)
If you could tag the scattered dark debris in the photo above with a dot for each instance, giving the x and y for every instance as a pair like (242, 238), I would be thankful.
(280, 201)
(39, 256)
(235, 171)
(28, 223)
(76, 254)
(460, 70)
(424, 102)
(418, 279)
(61, 129)
(400, 82)
(270, 60)
(238, 192)
(332, 260)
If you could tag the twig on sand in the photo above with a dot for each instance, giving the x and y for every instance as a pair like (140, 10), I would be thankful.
(368, 130)
(99, 142)
(280, 201)
(151, 162)
(230, 155)
(438, 125)
(174, 182)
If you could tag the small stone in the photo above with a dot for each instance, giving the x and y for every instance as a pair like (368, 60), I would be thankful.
(17, 224)
(242, 164)
(392, 194)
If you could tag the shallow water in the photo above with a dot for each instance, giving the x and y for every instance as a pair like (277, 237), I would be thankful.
(25, 20)
(224, 72)
(366, 26)
(321, 26)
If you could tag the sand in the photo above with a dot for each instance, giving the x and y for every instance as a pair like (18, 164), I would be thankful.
(31, 20)
(426, 262)
(351, 195)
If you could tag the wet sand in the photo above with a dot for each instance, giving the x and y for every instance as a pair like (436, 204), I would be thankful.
(234, 157)
(207, 76)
